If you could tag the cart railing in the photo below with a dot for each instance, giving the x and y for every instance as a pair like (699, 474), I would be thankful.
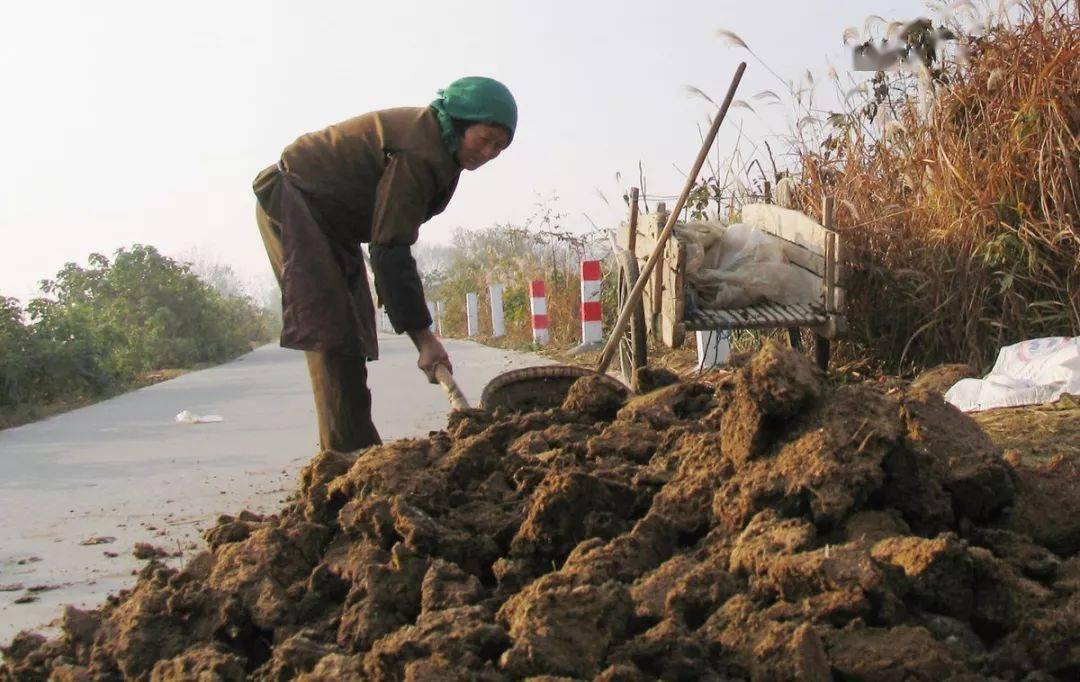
(807, 244)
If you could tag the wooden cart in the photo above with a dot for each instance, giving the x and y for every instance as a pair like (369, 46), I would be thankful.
(666, 313)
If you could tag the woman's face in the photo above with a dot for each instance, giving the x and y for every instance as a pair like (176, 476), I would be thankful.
(481, 143)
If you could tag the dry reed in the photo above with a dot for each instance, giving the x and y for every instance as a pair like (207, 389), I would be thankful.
(957, 194)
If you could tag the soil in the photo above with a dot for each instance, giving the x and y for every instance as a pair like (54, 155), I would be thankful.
(771, 526)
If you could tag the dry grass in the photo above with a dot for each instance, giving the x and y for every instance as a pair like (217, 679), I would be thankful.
(1040, 432)
(957, 190)
(964, 222)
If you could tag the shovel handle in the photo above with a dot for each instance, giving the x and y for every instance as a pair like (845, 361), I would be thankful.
(446, 379)
(658, 250)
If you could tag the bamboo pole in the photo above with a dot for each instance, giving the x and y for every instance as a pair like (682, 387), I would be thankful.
(643, 278)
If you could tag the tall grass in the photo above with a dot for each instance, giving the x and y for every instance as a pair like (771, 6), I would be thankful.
(957, 189)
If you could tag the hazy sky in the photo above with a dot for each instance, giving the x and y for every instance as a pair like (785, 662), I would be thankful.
(145, 122)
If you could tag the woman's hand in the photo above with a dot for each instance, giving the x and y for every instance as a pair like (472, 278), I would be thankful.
(432, 353)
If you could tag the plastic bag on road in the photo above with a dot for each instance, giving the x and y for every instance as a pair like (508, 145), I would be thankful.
(189, 417)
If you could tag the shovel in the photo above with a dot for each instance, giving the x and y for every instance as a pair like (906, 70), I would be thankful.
(522, 390)
(453, 392)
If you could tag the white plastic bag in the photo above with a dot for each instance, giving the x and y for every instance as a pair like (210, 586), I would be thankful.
(754, 282)
(189, 417)
(741, 266)
(1025, 373)
(701, 240)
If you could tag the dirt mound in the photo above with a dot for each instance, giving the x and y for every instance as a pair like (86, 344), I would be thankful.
(771, 527)
(943, 377)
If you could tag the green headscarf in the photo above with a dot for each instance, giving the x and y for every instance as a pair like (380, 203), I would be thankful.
(474, 98)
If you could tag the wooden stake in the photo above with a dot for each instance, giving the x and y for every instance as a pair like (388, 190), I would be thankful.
(691, 178)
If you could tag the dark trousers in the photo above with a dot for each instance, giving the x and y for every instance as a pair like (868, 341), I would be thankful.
(338, 379)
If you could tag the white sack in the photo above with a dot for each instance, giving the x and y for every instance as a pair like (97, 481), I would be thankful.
(1026, 373)
(740, 265)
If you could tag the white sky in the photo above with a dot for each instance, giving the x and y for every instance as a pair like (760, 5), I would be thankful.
(135, 121)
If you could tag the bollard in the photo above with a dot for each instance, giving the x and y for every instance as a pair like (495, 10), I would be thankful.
(498, 323)
(592, 329)
(713, 348)
(472, 314)
(538, 301)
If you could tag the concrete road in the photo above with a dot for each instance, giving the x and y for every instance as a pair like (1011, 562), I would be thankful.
(77, 491)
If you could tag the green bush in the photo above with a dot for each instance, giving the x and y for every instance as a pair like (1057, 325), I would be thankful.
(98, 327)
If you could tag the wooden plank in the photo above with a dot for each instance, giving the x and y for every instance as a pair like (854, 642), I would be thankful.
(646, 235)
(679, 287)
(646, 302)
(827, 204)
(806, 311)
(742, 319)
(703, 319)
(783, 317)
(759, 314)
(775, 313)
(673, 297)
(646, 241)
(787, 224)
(827, 282)
(839, 287)
(659, 221)
(666, 281)
(766, 314)
(724, 316)
(804, 258)
(780, 313)
(793, 314)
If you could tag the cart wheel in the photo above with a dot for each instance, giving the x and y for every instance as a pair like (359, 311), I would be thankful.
(632, 348)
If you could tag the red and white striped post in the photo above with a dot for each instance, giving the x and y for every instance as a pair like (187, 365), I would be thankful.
(592, 329)
(538, 299)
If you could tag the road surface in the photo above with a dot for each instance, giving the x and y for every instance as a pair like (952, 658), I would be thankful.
(123, 471)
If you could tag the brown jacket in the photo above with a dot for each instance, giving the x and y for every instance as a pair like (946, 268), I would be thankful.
(371, 179)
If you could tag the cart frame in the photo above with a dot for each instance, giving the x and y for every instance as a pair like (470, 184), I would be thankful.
(666, 312)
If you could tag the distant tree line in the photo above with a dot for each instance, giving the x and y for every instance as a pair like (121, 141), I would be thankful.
(97, 329)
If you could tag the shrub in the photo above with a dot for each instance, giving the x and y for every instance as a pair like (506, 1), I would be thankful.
(98, 327)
